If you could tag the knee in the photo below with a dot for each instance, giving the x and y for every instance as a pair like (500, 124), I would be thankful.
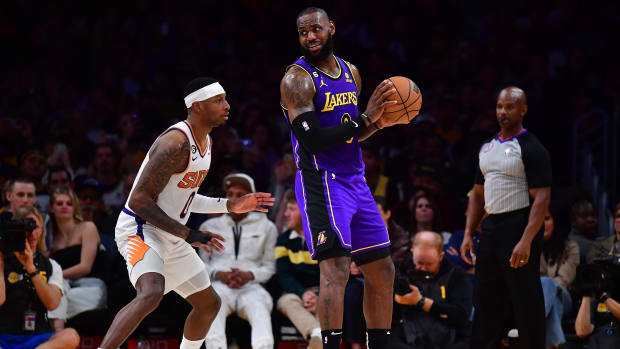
(286, 300)
(151, 298)
(334, 274)
(69, 338)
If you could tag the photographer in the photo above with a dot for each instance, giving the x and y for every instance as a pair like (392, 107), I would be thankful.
(434, 312)
(30, 285)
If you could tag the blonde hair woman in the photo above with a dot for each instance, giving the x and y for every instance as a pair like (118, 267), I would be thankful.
(75, 244)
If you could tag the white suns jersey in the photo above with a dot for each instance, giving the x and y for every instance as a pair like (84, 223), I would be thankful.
(176, 198)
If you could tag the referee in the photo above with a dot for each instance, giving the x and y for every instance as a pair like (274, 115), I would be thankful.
(512, 185)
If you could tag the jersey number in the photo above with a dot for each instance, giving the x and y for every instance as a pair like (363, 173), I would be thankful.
(187, 204)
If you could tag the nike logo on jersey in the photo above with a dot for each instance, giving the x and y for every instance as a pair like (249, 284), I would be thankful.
(192, 179)
(355, 123)
(194, 159)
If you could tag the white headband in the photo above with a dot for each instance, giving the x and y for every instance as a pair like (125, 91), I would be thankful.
(206, 92)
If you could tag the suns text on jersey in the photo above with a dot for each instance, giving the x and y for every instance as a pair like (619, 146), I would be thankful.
(192, 179)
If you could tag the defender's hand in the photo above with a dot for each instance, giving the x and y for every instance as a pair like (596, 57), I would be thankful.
(206, 239)
(411, 298)
(468, 246)
(520, 255)
(251, 202)
(378, 100)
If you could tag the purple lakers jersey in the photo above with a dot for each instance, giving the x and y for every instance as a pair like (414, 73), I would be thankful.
(335, 102)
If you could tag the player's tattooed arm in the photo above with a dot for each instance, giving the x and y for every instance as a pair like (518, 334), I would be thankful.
(369, 131)
(297, 92)
(168, 156)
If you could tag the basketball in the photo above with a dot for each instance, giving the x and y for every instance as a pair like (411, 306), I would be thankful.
(409, 100)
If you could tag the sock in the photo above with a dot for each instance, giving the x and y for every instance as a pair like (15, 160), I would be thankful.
(377, 338)
(187, 344)
(316, 333)
(331, 338)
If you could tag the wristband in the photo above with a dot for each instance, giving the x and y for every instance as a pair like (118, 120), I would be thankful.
(34, 273)
(420, 303)
(197, 236)
(603, 298)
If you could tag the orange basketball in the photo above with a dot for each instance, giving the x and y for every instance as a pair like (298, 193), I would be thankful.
(409, 100)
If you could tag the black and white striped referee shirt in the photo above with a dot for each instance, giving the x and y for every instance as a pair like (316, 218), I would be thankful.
(509, 168)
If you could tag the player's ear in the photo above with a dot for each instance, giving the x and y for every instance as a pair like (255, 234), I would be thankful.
(332, 28)
(524, 110)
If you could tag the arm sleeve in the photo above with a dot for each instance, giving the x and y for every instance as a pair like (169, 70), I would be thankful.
(267, 266)
(284, 269)
(316, 139)
(536, 161)
(458, 304)
(205, 204)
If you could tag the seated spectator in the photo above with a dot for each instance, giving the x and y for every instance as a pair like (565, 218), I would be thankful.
(598, 321)
(33, 165)
(54, 178)
(238, 272)
(75, 244)
(584, 226)
(399, 238)
(608, 245)
(30, 285)
(453, 247)
(90, 194)
(107, 170)
(432, 313)
(298, 275)
(424, 216)
(558, 266)
(21, 193)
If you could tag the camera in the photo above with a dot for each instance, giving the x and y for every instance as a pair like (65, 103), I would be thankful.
(13, 232)
(603, 274)
(409, 275)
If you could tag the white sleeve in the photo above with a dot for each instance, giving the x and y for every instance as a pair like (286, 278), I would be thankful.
(56, 277)
(205, 204)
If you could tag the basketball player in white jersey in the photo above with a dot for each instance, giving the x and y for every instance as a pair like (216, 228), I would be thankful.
(151, 233)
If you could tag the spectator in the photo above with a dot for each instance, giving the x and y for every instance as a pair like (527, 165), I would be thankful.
(298, 274)
(75, 244)
(435, 313)
(454, 245)
(597, 320)
(558, 267)
(107, 170)
(398, 236)
(238, 272)
(30, 285)
(54, 178)
(584, 225)
(424, 215)
(377, 182)
(284, 171)
(21, 193)
(90, 194)
(32, 165)
(608, 245)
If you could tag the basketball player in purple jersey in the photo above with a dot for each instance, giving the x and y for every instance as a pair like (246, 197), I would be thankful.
(341, 222)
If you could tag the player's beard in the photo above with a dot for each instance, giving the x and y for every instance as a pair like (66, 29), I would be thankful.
(326, 50)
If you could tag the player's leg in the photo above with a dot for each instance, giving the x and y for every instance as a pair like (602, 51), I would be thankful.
(255, 305)
(328, 206)
(150, 283)
(67, 338)
(370, 251)
(205, 301)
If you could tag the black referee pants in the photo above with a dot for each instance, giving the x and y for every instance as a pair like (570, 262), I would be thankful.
(504, 297)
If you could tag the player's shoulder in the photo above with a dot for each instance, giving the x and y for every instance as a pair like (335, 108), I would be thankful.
(172, 139)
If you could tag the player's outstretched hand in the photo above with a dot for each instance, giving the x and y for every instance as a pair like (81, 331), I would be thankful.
(379, 100)
(251, 202)
(206, 241)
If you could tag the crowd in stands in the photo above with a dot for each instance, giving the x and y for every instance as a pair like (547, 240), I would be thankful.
(94, 85)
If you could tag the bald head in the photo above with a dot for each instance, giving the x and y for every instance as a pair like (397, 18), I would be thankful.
(510, 109)
(428, 239)
(427, 251)
(514, 93)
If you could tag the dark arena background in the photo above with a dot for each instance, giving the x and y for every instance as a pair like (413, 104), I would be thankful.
(76, 75)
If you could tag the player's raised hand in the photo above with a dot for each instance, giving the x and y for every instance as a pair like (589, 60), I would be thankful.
(379, 100)
(251, 202)
(206, 240)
